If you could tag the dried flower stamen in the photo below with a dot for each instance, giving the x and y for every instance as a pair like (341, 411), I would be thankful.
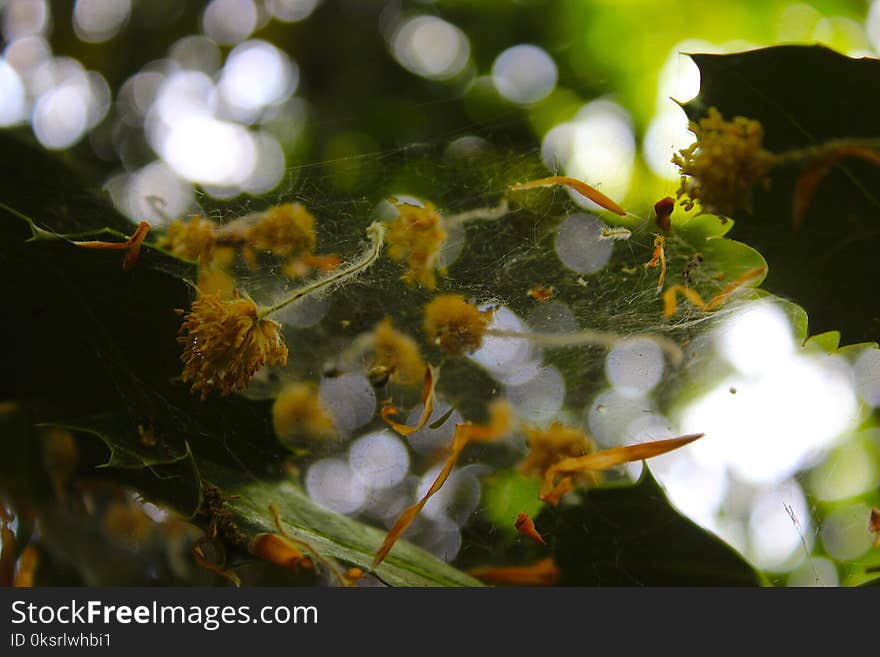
(720, 169)
(225, 342)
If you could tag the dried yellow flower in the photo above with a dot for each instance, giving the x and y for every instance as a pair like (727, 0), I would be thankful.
(283, 230)
(298, 415)
(454, 324)
(723, 165)
(399, 353)
(416, 235)
(549, 446)
(225, 342)
(191, 239)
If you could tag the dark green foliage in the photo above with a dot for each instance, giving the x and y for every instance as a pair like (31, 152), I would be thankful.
(805, 96)
(631, 536)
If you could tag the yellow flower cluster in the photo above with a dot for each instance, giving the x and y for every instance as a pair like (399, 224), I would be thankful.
(455, 325)
(191, 239)
(286, 231)
(416, 235)
(225, 342)
(723, 165)
(283, 230)
(399, 353)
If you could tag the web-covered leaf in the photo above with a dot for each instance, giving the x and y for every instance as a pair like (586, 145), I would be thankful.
(78, 312)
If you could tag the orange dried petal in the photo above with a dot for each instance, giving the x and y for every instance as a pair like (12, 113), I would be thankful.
(577, 185)
(389, 410)
(525, 526)
(609, 458)
(541, 573)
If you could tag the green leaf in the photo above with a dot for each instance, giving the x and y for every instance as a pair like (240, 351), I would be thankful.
(805, 96)
(339, 537)
(631, 536)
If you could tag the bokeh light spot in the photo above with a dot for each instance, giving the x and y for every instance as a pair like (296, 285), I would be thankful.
(291, 11)
(867, 376)
(524, 74)
(611, 412)
(845, 534)
(780, 526)
(209, 151)
(23, 18)
(332, 484)
(503, 355)
(196, 53)
(635, 366)
(349, 399)
(850, 470)
(13, 101)
(816, 571)
(256, 74)
(756, 339)
(155, 193)
(61, 116)
(540, 398)
(95, 21)
(379, 460)
(580, 246)
(229, 21)
(430, 47)
(872, 25)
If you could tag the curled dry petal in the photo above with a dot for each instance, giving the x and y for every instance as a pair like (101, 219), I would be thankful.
(427, 406)
(607, 458)
(577, 185)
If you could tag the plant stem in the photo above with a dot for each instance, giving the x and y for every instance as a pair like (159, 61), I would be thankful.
(478, 213)
(376, 233)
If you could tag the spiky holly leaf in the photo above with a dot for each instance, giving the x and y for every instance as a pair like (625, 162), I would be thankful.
(805, 96)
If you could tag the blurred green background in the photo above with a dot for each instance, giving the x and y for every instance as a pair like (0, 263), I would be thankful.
(157, 95)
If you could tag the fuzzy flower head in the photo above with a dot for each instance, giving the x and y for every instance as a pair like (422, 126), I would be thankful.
(225, 342)
(723, 165)
(283, 230)
(416, 236)
(193, 239)
(399, 353)
(455, 325)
